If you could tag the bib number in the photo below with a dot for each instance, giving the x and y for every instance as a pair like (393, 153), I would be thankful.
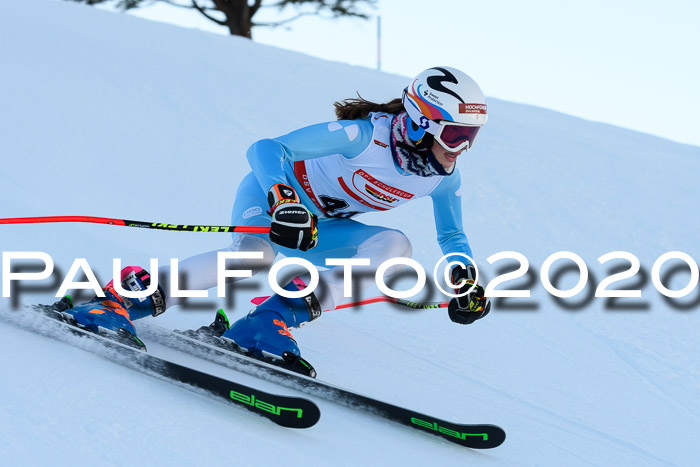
(332, 206)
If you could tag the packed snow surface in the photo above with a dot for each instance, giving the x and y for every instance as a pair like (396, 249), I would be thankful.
(108, 115)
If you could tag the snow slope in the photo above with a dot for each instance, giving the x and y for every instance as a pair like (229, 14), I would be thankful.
(109, 115)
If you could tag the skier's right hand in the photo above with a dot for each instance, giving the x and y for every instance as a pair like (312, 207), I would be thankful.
(472, 305)
(293, 226)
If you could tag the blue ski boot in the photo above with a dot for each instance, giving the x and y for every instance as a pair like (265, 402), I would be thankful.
(264, 333)
(112, 315)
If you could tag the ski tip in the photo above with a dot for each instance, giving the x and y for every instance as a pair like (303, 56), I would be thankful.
(288, 412)
(491, 436)
(305, 415)
(479, 436)
(497, 436)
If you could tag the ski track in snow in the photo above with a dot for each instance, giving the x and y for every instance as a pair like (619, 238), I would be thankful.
(573, 427)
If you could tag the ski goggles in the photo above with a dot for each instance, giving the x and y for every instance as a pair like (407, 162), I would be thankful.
(454, 137)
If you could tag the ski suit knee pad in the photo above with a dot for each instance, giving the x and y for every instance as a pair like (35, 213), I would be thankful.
(247, 242)
(393, 244)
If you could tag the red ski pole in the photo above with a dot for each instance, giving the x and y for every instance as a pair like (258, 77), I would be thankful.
(207, 228)
(139, 224)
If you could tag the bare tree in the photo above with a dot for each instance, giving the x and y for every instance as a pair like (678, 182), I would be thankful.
(237, 15)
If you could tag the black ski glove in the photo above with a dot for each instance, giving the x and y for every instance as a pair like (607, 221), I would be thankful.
(472, 306)
(293, 226)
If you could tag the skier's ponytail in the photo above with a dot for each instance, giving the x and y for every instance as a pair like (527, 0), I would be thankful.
(356, 108)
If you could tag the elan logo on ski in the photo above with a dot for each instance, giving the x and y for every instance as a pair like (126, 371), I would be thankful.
(267, 407)
(441, 429)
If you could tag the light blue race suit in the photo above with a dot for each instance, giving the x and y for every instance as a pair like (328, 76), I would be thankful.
(278, 160)
(338, 169)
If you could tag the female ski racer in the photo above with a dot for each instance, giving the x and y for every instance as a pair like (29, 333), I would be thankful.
(307, 185)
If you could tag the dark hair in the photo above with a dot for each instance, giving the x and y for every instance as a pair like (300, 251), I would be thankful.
(356, 108)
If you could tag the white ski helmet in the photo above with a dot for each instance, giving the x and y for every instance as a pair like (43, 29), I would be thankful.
(448, 104)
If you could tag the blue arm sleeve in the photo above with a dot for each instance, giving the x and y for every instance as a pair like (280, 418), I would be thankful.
(268, 157)
(447, 207)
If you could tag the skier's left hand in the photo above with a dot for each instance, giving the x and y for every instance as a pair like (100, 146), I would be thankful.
(293, 225)
(472, 306)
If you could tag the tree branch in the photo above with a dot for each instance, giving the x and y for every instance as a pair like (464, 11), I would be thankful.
(174, 3)
(337, 8)
(285, 21)
(254, 9)
(204, 12)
